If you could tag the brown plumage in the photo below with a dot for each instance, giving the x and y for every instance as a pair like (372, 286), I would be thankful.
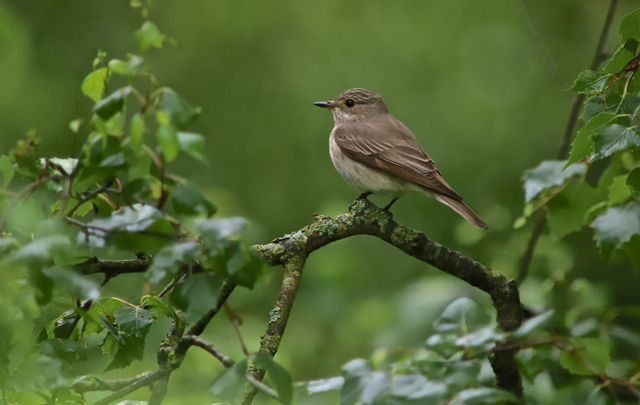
(374, 152)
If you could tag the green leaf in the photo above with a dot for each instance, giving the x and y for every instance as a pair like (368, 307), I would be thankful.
(622, 56)
(443, 344)
(463, 314)
(180, 113)
(69, 351)
(590, 83)
(76, 285)
(630, 26)
(357, 372)
(567, 210)
(549, 173)
(41, 251)
(483, 396)
(414, 387)
(231, 383)
(137, 131)
(214, 229)
(94, 84)
(188, 200)
(118, 66)
(244, 264)
(464, 374)
(130, 349)
(534, 323)
(171, 258)
(197, 294)
(157, 305)
(324, 385)
(583, 144)
(193, 145)
(37, 373)
(616, 226)
(608, 102)
(280, 377)
(168, 140)
(592, 351)
(112, 104)
(147, 36)
(104, 308)
(618, 191)
(633, 181)
(612, 138)
(134, 321)
(6, 172)
(480, 338)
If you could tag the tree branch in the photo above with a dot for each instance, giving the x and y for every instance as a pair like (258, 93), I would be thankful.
(112, 268)
(365, 218)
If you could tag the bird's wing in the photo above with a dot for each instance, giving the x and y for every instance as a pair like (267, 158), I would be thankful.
(390, 146)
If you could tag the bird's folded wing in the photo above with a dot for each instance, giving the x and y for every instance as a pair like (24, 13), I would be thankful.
(401, 156)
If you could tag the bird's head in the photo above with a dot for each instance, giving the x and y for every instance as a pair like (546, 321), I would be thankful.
(355, 105)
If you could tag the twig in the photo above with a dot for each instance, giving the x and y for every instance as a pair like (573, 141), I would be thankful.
(112, 268)
(226, 361)
(235, 322)
(87, 385)
(577, 103)
(142, 382)
(278, 318)
(90, 196)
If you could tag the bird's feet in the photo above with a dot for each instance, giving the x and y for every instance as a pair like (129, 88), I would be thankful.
(388, 207)
(360, 198)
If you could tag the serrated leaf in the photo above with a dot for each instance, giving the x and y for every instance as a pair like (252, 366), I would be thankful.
(630, 26)
(131, 348)
(6, 172)
(134, 321)
(197, 294)
(547, 174)
(622, 56)
(464, 315)
(612, 138)
(484, 396)
(598, 104)
(230, 384)
(147, 36)
(94, 84)
(279, 376)
(180, 113)
(532, 324)
(188, 200)
(633, 181)
(193, 145)
(618, 190)
(590, 83)
(583, 144)
(102, 309)
(112, 104)
(616, 226)
(168, 140)
(592, 351)
(76, 285)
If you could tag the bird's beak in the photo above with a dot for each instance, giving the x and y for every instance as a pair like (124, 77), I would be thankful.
(324, 104)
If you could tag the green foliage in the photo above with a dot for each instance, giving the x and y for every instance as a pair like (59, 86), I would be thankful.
(114, 204)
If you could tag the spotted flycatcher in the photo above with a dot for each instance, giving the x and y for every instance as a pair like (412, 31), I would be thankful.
(377, 154)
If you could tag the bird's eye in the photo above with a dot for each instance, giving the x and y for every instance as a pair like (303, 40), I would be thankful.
(350, 103)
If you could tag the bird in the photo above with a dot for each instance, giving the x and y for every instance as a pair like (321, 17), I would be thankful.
(375, 153)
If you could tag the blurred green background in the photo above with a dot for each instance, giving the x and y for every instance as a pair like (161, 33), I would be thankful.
(466, 76)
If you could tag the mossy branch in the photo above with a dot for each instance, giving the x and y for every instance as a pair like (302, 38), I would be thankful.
(364, 218)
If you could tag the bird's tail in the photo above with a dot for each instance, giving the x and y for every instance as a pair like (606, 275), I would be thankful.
(463, 209)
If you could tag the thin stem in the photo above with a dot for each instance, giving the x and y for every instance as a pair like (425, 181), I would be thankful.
(142, 382)
(226, 361)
